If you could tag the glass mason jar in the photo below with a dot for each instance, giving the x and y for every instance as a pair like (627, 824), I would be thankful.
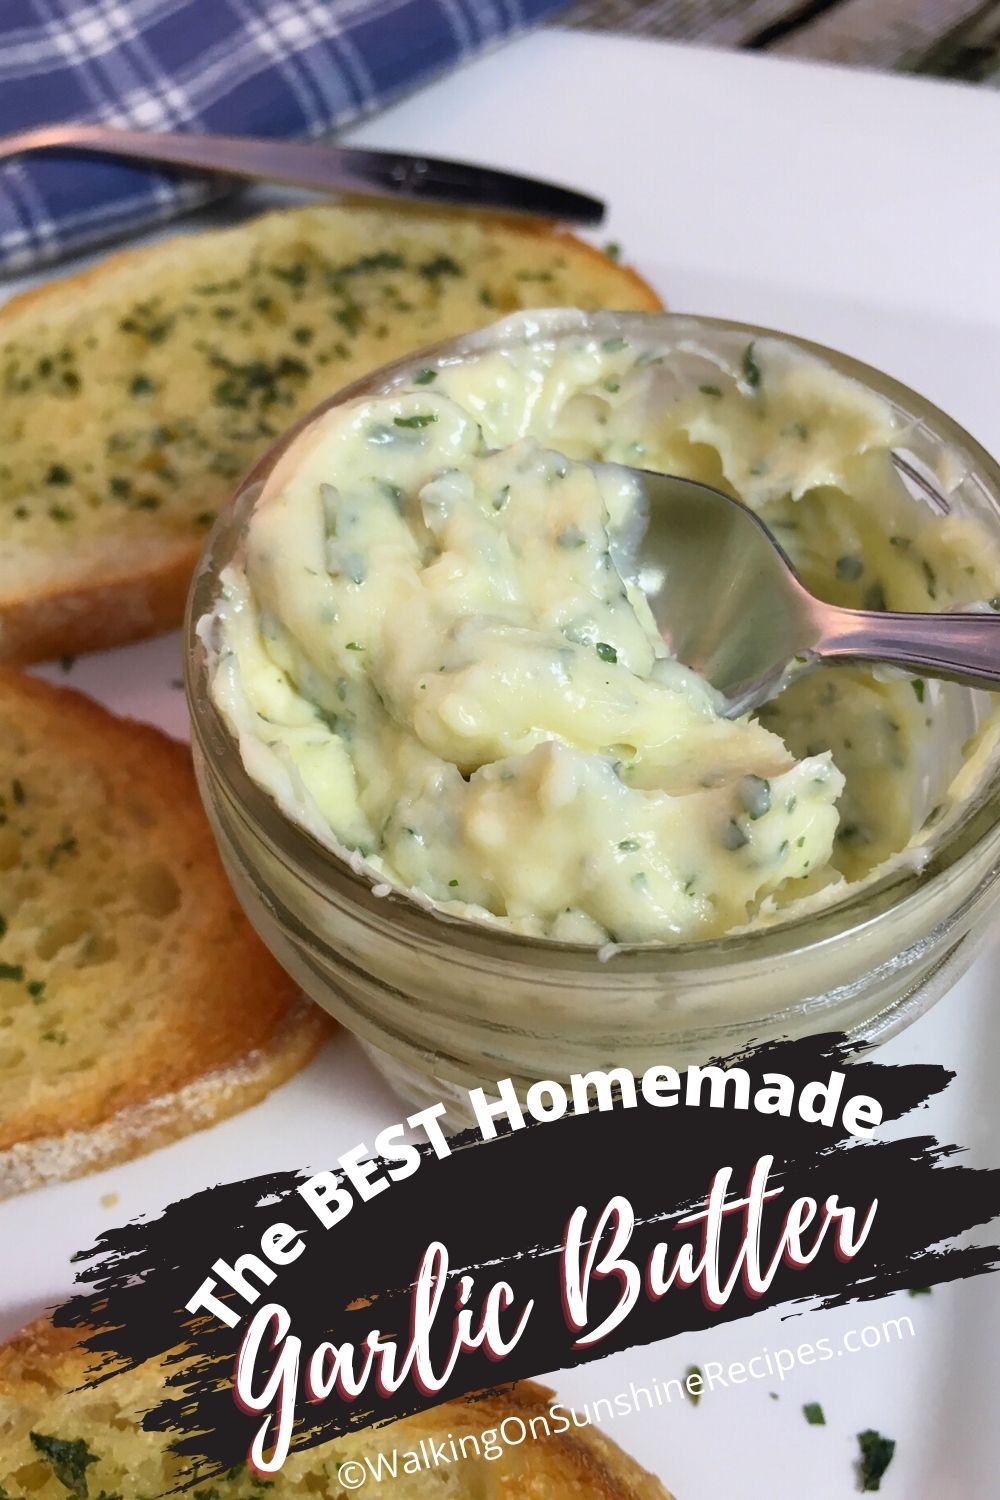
(443, 1004)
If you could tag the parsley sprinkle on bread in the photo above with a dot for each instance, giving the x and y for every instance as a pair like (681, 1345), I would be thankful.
(56, 1439)
(136, 1003)
(133, 396)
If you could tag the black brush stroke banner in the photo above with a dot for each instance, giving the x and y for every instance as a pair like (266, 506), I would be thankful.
(502, 1207)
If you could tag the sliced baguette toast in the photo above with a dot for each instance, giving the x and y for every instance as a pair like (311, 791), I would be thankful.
(136, 1003)
(134, 395)
(95, 1434)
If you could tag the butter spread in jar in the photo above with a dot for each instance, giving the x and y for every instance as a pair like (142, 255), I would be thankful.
(436, 655)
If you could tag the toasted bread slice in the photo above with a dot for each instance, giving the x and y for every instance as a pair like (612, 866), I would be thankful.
(136, 1003)
(96, 1434)
(135, 394)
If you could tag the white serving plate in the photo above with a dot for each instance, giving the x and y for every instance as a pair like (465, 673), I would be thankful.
(853, 208)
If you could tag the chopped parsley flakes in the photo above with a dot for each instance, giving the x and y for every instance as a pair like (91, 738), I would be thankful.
(441, 265)
(750, 367)
(733, 836)
(419, 419)
(693, 1376)
(756, 797)
(68, 845)
(849, 568)
(68, 1458)
(876, 1456)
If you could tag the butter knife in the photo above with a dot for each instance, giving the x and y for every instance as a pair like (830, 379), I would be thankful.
(345, 169)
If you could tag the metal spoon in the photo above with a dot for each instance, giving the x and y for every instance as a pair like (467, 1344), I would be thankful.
(729, 604)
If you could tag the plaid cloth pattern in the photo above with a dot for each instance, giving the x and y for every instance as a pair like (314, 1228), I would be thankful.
(288, 68)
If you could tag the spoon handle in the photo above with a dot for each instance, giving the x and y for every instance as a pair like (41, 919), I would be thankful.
(962, 647)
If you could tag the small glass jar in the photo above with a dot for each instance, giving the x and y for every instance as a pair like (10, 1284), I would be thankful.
(442, 1004)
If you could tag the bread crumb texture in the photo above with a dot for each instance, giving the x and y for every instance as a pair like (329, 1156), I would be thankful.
(57, 1441)
(136, 1003)
(136, 394)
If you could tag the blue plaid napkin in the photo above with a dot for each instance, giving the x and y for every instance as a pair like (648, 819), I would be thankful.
(290, 68)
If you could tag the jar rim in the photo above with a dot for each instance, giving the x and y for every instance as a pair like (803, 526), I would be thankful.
(864, 904)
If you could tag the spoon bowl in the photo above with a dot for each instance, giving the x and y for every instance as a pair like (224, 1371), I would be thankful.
(729, 604)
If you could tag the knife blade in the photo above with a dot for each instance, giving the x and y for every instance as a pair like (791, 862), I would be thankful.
(316, 165)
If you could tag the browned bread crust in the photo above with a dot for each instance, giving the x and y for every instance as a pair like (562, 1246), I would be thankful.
(42, 1368)
(130, 598)
(105, 493)
(138, 1003)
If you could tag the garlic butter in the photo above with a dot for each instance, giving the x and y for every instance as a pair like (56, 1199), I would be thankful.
(436, 656)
